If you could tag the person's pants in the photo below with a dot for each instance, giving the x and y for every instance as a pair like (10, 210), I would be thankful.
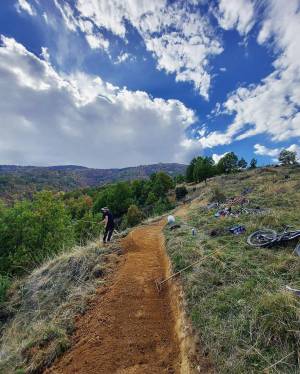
(108, 233)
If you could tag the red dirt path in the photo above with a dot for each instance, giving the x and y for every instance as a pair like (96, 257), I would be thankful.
(131, 328)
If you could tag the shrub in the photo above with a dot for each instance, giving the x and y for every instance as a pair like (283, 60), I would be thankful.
(134, 215)
(161, 206)
(87, 228)
(33, 231)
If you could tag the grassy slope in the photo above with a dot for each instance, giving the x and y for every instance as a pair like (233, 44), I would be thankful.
(237, 299)
(42, 307)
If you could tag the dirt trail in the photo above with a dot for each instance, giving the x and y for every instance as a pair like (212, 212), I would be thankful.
(130, 329)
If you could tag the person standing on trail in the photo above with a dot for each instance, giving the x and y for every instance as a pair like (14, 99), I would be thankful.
(108, 220)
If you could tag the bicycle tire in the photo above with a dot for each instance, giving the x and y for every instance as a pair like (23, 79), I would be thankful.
(262, 238)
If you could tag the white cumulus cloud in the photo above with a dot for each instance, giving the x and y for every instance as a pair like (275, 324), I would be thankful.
(48, 118)
(216, 157)
(265, 151)
(272, 106)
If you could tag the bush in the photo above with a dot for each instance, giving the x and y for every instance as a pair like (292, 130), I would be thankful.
(181, 192)
(32, 231)
(79, 206)
(134, 215)
(161, 206)
(88, 228)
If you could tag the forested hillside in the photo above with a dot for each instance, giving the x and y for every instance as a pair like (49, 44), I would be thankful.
(23, 181)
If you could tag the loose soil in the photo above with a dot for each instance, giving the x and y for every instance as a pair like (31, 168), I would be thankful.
(131, 328)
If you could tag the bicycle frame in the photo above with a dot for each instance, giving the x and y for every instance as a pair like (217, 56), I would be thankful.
(287, 235)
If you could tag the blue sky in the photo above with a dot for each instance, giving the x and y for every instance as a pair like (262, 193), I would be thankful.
(118, 83)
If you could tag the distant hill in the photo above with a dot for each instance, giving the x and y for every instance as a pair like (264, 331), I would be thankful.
(22, 181)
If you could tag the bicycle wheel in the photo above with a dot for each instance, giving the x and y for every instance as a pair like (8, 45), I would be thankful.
(262, 238)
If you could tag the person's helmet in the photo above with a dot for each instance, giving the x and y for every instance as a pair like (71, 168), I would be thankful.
(105, 209)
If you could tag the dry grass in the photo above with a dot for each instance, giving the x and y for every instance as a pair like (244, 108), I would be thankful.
(42, 307)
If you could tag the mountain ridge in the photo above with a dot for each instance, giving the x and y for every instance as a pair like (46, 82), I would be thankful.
(22, 181)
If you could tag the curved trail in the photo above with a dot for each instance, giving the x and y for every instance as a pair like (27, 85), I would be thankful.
(131, 329)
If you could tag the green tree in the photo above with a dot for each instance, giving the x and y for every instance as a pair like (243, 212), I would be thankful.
(228, 163)
(161, 183)
(287, 157)
(203, 169)
(253, 163)
(137, 187)
(117, 197)
(190, 171)
(242, 164)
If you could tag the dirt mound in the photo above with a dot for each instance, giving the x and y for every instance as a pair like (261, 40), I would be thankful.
(132, 328)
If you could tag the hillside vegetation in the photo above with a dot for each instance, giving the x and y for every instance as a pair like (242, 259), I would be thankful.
(18, 182)
(31, 231)
(246, 319)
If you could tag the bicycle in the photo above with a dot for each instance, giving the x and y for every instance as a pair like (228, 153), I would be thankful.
(269, 237)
